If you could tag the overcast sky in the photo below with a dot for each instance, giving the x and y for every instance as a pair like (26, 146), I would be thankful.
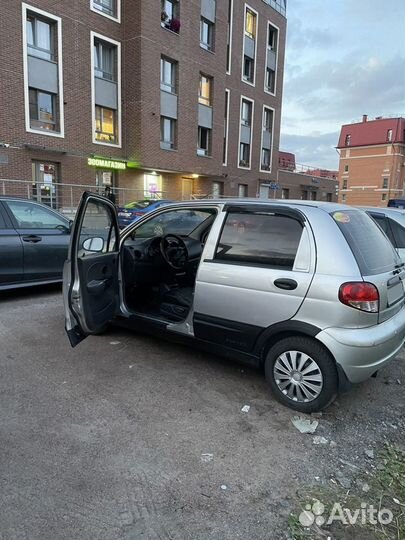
(344, 58)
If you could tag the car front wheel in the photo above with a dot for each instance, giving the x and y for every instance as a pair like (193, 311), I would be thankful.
(302, 374)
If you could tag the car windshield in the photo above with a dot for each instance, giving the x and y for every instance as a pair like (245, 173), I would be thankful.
(182, 222)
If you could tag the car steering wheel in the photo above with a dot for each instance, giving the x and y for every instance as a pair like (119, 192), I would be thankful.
(174, 251)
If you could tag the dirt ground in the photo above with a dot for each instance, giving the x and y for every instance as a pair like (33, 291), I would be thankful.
(129, 437)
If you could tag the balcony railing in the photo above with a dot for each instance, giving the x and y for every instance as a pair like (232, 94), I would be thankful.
(278, 5)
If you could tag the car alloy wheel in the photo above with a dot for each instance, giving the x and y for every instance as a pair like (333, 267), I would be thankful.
(298, 376)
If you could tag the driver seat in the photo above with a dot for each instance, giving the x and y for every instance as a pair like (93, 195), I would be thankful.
(176, 303)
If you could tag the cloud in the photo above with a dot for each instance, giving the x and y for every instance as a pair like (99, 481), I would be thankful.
(317, 149)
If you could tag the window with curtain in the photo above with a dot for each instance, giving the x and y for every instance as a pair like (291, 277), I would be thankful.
(40, 37)
(105, 59)
(205, 93)
(250, 23)
(106, 125)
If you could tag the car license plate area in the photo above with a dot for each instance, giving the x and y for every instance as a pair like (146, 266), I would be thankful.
(395, 292)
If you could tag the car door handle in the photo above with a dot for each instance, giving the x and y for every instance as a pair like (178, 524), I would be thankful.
(286, 284)
(97, 286)
(33, 238)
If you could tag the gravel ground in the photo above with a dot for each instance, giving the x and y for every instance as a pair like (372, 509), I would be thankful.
(106, 441)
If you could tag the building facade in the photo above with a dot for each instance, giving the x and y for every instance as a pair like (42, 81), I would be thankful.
(372, 161)
(148, 98)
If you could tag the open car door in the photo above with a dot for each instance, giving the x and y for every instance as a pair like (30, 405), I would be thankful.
(90, 275)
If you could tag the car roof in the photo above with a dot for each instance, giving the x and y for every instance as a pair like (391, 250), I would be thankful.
(386, 211)
(296, 203)
(22, 199)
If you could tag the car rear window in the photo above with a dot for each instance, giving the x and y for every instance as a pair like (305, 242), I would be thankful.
(264, 239)
(372, 250)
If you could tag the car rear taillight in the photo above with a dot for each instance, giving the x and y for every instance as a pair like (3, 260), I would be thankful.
(360, 295)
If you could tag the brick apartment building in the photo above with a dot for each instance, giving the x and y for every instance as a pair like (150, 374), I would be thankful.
(372, 161)
(295, 181)
(165, 97)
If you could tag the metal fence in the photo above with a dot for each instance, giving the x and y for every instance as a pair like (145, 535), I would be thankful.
(66, 197)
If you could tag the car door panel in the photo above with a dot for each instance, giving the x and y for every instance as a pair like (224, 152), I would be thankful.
(44, 236)
(242, 297)
(90, 277)
(11, 252)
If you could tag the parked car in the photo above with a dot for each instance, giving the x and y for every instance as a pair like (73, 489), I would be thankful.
(312, 293)
(134, 210)
(34, 242)
(396, 203)
(392, 222)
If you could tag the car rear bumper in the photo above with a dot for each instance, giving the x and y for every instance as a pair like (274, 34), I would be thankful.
(361, 352)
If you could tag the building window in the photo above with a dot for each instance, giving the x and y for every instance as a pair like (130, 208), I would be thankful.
(106, 125)
(348, 140)
(248, 69)
(229, 37)
(268, 120)
(265, 162)
(107, 7)
(270, 80)
(384, 197)
(304, 195)
(385, 183)
(105, 60)
(344, 184)
(271, 59)
(312, 195)
(250, 23)
(41, 37)
(43, 113)
(246, 113)
(226, 129)
(285, 193)
(244, 155)
(242, 190)
(204, 141)
(346, 168)
(167, 133)
(344, 198)
(207, 34)
(168, 75)
(170, 15)
(329, 197)
(205, 90)
(389, 135)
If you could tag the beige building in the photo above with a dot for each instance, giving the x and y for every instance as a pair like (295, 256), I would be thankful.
(372, 161)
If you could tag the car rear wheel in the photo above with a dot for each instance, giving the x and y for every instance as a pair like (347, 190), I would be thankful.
(302, 374)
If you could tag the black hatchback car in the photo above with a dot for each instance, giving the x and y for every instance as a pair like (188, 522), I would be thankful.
(34, 241)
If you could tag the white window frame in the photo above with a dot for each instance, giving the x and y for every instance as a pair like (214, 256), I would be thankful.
(247, 6)
(94, 35)
(228, 93)
(61, 120)
(272, 139)
(229, 67)
(270, 23)
(116, 19)
(251, 132)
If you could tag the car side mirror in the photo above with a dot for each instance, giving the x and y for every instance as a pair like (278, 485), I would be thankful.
(94, 245)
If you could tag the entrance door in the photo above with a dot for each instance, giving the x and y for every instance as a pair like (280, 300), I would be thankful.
(45, 179)
(263, 192)
(186, 189)
(90, 277)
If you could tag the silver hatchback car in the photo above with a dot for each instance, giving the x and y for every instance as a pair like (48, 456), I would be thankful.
(312, 293)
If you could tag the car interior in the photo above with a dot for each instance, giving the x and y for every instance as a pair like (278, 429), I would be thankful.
(160, 260)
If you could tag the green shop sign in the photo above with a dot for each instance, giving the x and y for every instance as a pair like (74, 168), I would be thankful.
(106, 163)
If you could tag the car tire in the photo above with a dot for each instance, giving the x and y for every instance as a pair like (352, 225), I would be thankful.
(315, 374)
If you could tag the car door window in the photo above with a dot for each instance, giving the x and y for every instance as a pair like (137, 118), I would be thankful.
(398, 232)
(2, 220)
(32, 216)
(182, 222)
(97, 233)
(259, 239)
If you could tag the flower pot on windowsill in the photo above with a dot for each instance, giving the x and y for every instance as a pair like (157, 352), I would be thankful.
(174, 25)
